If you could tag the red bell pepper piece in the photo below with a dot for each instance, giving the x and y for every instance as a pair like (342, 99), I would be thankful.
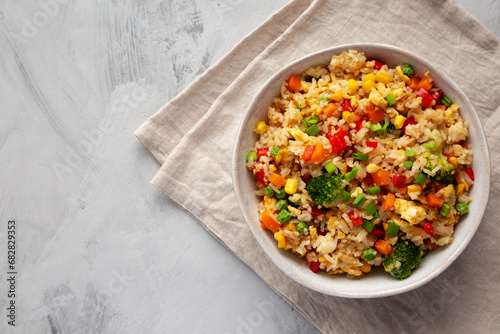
(263, 152)
(378, 231)
(436, 93)
(338, 142)
(308, 152)
(359, 124)
(346, 105)
(429, 229)
(470, 172)
(399, 181)
(368, 179)
(355, 220)
(314, 266)
(372, 144)
(315, 212)
(378, 64)
(258, 171)
(426, 97)
(408, 121)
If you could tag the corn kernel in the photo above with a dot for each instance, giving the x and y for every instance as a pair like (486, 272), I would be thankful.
(354, 102)
(340, 234)
(347, 116)
(290, 227)
(352, 86)
(281, 239)
(415, 189)
(313, 232)
(286, 155)
(460, 189)
(305, 86)
(338, 95)
(368, 85)
(372, 168)
(322, 259)
(454, 162)
(366, 268)
(369, 77)
(329, 213)
(291, 186)
(382, 77)
(399, 121)
(318, 111)
(261, 128)
(462, 181)
(279, 156)
(381, 88)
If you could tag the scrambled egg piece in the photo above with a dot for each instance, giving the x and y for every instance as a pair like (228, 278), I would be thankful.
(446, 193)
(450, 114)
(409, 211)
(377, 99)
(293, 211)
(326, 244)
(298, 135)
(270, 203)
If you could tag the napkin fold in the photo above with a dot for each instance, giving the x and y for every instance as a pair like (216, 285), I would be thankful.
(195, 151)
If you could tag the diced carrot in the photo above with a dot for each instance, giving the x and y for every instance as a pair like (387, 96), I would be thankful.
(329, 109)
(425, 84)
(403, 190)
(375, 114)
(433, 201)
(277, 180)
(356, 116)
(383, 247)
(269, 221)
(381, 177)
(388, 202)
(318, 154)
(414, 80)
(440, 107)
(294, 83)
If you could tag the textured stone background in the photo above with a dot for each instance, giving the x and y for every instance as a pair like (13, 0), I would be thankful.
(99, 249)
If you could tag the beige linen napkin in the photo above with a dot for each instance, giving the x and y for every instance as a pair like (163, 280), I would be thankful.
(464, 297)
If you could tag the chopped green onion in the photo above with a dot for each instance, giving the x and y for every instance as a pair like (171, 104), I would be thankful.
(360, 156)
(326, 99)
(369, 254)
(360, 199)
(368, 225)
(374, 190)
(345, 195)
(410, 153)
(392, 229)
(312, 119)
(302, 227)
(281, 193)
(371, 209)
(330, 167)
(407, 164)
(305, 122)
(268, 191)
(351, 175)
(375, 127)
(274, 151)
(252, 155)
(462, 208)
(312, 130)
(284, 216)
(282, 204)
(446, 101)
(430, 145)
(391, 99)
(421, 178)
(298, 106)
(445, 209)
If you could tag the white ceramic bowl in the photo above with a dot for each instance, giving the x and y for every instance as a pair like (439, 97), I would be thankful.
(377, 283)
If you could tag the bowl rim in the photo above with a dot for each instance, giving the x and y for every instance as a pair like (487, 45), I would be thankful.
(236, 159)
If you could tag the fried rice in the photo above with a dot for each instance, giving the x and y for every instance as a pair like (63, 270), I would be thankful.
(394, 142)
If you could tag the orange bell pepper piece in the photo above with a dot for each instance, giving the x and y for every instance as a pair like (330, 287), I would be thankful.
(277, 180)
(414, 80)
(434, 201)
(381, 177)
(388, 202)
(269, 222)
(330, 109)
(318, 154)
(383, 247)
(424, 83)
(375, 114)
(294, 83)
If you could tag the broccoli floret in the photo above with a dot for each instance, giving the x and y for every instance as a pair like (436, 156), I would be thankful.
(446, 170)
(405, 257)
(325, 188)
